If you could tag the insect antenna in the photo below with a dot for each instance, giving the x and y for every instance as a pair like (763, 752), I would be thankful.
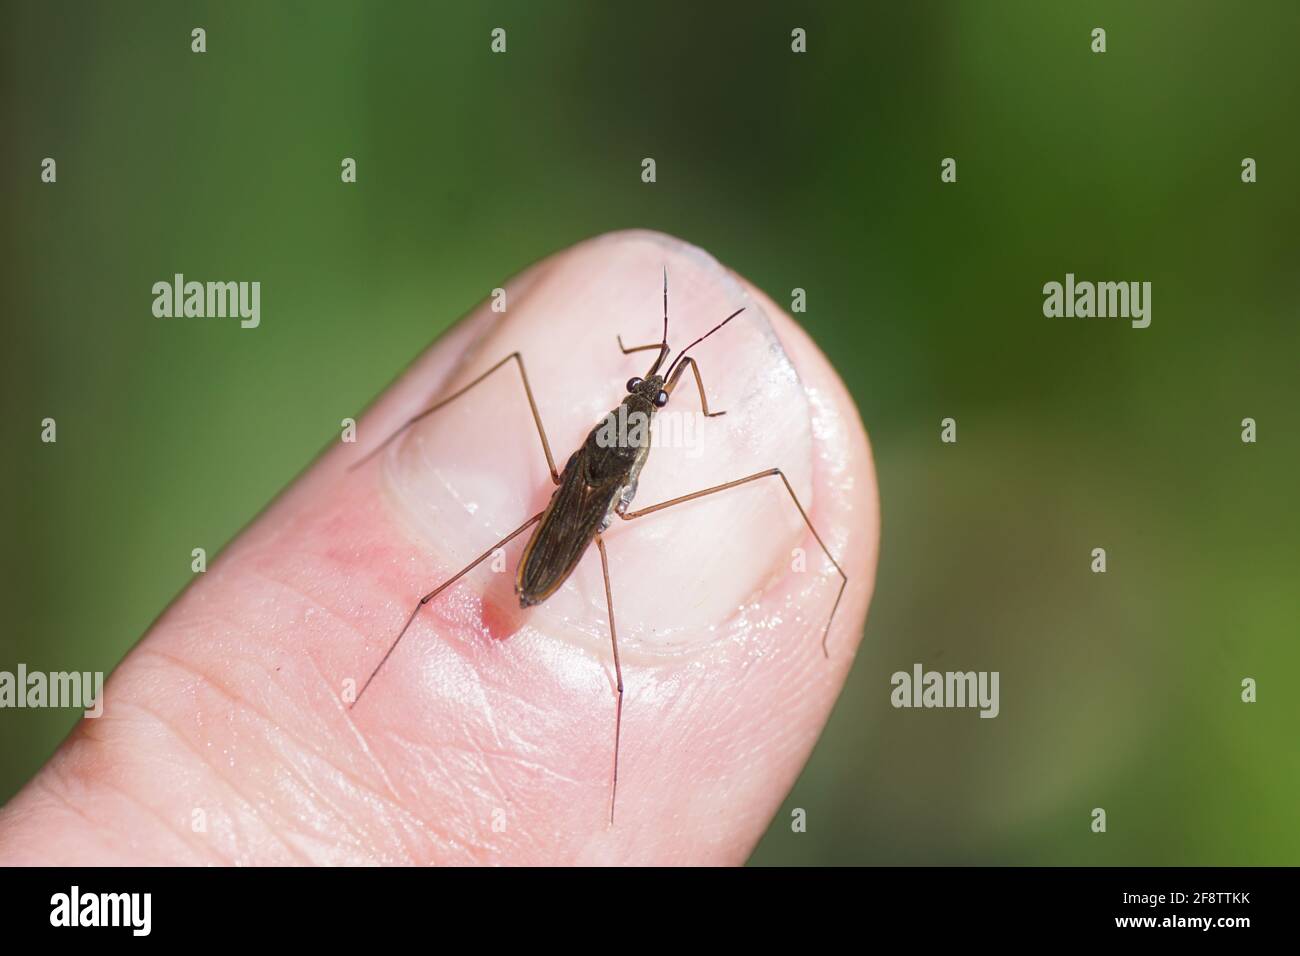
(682, 354)
(663, 349)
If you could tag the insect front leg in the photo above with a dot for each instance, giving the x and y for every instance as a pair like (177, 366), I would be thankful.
(532, 405)
(636, 348)
(844, 578)
(438, 590)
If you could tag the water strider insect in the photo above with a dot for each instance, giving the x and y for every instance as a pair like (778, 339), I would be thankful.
(598, 482)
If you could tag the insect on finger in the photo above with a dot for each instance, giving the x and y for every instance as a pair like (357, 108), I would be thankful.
(599, 480)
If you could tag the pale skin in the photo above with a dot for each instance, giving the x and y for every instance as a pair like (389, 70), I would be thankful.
(487, 738)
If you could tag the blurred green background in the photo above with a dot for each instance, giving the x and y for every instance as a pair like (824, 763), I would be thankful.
(819, 171)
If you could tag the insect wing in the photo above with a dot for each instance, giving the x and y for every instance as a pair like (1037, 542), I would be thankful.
(571, 521)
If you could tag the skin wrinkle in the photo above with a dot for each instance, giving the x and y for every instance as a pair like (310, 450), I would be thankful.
(252, 565)
(486, 709)
(475, 759)
(457, 836)
(477, 662)
(493, 787)
(258, 807)
(134, 801)
(308, 785)
(54, 786)
(345, 714)
(241, 842)
(185, 744)
(406, 816)
(202, 677)
(335, 811)
(185, 839)
(516, 700)
(302, 833)
(512, 758)
(445, 760)
(254, 807)
(475, 674)
(451, 786)
(334, 814)
(241, 703)
(726, 750)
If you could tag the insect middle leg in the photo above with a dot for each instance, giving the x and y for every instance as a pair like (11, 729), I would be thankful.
(618, 674)
(532, 405)
(844, 578)
(442, 587)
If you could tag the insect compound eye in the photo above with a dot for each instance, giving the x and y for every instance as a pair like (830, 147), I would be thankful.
(633, 384)
(661, 399)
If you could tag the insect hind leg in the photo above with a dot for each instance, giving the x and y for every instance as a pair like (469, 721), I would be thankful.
(770, 472)
(438, 590)
(618, 675)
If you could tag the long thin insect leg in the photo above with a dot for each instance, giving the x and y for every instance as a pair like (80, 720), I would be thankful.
(704, 399)
(659, 360)
(637, 348)
(438, 590)
(618, 675)
(844, 578)
(532, 405)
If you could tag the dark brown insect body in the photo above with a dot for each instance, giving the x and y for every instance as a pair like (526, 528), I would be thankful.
(598, 481)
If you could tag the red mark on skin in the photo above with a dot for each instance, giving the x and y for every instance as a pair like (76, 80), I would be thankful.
(500, 611)
(482, 602)
(502, 620)
(487, 606)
